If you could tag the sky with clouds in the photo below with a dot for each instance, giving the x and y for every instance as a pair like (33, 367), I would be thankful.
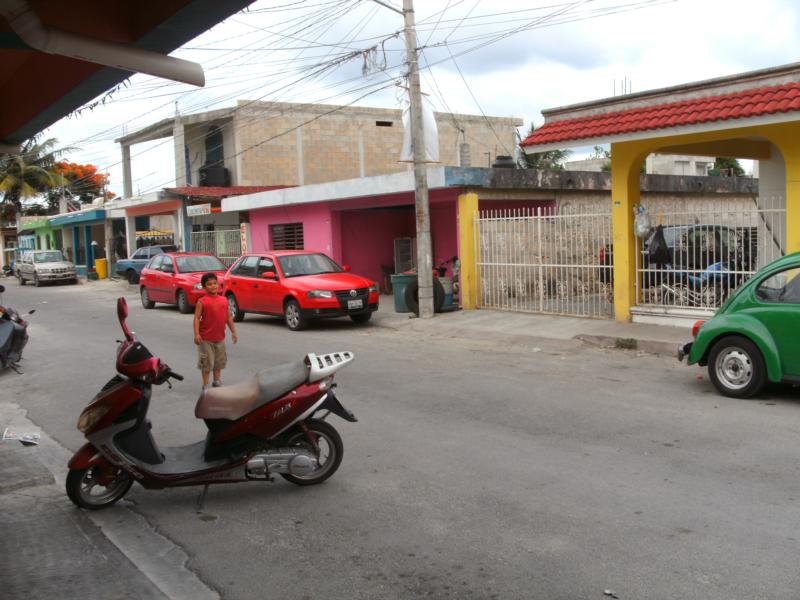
(500, 57)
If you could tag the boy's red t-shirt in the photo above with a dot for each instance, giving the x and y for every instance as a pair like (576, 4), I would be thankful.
(213, 317)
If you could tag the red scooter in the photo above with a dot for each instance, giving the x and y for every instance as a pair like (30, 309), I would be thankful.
(262, 426)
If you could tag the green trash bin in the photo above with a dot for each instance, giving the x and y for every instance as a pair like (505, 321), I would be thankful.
(399, 283)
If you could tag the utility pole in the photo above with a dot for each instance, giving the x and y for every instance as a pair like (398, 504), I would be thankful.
(424, 258)
(423, 219)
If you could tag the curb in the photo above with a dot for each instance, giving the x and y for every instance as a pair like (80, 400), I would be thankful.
(620, 343)
(21, 468)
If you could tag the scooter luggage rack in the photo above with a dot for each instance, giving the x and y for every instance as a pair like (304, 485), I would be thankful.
(322, 365)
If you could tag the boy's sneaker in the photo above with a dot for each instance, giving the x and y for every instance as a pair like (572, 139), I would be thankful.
(216, 384)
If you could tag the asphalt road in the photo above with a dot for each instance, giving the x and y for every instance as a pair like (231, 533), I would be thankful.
(477, 469)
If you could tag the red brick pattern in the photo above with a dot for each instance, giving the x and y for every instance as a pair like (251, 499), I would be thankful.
(739, 105)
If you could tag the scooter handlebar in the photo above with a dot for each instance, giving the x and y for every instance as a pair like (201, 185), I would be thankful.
(175, 375)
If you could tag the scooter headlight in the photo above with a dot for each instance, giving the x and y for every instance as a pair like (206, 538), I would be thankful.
(90, 416)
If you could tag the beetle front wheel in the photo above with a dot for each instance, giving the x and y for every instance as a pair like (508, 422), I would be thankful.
(736, 367)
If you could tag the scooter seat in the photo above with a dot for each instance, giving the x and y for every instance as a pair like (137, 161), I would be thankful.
(231, 402)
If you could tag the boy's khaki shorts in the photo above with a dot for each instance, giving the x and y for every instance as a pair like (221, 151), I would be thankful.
(211, 356)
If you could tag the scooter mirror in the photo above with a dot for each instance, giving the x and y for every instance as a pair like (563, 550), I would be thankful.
(122, 309)
(31, 311)
(122, 314)
(2, 289)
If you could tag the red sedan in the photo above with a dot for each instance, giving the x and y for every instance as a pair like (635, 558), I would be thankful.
(300, 286)
(174, 278)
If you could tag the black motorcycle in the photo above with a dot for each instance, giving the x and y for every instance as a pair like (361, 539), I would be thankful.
(13, 336)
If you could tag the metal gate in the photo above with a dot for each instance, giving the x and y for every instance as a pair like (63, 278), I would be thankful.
(712, 251)
(545, 261)
(225, 244)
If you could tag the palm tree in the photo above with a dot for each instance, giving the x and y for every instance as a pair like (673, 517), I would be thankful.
(28, 173)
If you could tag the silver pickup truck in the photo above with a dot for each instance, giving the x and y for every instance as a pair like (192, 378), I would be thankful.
(44, 266)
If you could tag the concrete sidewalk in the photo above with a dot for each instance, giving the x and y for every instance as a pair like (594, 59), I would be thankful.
(50, 548)
(527, 329)
(511, 327)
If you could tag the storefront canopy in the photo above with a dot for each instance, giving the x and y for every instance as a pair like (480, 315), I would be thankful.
(78, 218)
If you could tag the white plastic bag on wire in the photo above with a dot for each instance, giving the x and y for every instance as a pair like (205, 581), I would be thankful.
(641, 224)
(428, 126)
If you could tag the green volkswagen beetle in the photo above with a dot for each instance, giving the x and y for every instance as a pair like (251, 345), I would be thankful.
(755, 336)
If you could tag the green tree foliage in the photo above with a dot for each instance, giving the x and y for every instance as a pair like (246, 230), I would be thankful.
(554, 159)
(600, 152)
(29, 173)
(726, 167)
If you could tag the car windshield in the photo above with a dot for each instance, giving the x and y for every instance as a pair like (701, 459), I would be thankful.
(45, 257)
(197, 264)
(296, 265)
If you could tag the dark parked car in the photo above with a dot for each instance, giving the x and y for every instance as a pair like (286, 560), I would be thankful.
(692, 248)
(130, 268)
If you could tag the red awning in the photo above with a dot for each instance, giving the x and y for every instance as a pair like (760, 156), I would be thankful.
(220, 191)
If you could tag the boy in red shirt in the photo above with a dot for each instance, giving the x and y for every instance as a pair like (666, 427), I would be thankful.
(210, 317)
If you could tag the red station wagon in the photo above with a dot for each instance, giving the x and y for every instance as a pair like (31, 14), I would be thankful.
(300, 286)
(174, 278)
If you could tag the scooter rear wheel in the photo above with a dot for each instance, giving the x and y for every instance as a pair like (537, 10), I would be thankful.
(330, 447)
(87, 488)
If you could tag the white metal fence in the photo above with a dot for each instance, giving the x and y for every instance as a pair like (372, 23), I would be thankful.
(711, 253)
(226, 244)
(545, 261)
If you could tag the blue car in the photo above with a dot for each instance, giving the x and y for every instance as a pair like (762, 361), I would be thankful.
(130, 268)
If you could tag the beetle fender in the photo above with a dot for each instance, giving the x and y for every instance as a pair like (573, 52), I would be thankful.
(87, 456)
(737, 324)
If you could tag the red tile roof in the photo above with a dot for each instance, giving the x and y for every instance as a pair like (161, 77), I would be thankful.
(222, 192)
(738, 105)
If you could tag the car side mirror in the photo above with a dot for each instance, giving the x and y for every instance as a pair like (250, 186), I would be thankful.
(346, 268)
(268, 275)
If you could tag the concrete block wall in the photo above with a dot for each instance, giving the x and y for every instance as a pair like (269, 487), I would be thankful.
(349, 142)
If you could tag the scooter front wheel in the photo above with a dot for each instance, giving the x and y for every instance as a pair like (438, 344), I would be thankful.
(95, 488)
(329, 451)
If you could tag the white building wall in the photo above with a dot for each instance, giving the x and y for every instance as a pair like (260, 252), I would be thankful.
(771, 194)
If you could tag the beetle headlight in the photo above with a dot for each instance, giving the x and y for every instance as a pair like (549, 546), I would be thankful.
(320, 294)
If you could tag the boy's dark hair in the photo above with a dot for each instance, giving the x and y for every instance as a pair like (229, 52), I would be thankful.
(207, 277)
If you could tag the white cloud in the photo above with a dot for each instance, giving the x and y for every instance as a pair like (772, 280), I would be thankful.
(658, 46)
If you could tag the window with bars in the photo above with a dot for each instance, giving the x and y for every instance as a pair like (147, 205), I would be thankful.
(286, 236)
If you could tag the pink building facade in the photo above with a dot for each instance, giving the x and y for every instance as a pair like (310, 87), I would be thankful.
(355, 222)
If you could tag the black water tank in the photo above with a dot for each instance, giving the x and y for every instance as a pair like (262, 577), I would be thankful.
(504, 162)
(214, 175)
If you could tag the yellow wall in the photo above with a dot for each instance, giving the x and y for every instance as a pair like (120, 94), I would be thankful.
(626, 160)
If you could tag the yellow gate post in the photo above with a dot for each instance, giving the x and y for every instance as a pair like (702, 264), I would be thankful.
(626, 162)
(468, 247)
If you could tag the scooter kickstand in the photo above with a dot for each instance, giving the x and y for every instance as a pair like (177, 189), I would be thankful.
(201, 499)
